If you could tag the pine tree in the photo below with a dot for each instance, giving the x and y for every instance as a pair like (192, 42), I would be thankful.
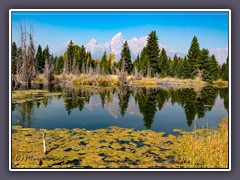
(174, 66)
(136, 63)
(103, 64)
(169, 67)
(203, 58)
(89, 60)
(193, 54)
(70, 56)
(178, 67)
(153, 51)
(211, 72)
(46, 53)
(14, 58)
(203, 62)
(59, 65)
(82, 58)
(224, 71)
(163, 63)
(126, 55)
(185, 69)
(40, 60)
(143, 61)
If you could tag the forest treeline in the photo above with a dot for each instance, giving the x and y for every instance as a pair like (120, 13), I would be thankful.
(27, 62)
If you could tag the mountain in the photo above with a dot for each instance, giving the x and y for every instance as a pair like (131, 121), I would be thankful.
(221, 54)
(115, 46)
(136, 45)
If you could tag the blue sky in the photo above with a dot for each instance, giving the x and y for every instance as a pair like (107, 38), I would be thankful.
(174, 29)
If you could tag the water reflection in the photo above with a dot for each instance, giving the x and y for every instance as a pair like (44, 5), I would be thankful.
(149, 101)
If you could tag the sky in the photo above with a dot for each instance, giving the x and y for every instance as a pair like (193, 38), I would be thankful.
(174, 29)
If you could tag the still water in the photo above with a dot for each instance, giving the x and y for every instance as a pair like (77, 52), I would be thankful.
(158, 109)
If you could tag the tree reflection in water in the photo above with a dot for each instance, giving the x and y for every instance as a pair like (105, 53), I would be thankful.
(149, 100)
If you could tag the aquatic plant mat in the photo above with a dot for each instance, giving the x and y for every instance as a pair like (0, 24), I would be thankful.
(22, 96)
(117, 147)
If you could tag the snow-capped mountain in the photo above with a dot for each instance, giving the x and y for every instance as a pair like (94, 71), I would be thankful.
(136, 45)
(115, 46)
(220, 54)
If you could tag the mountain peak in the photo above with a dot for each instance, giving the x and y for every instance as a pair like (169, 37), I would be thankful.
(93, 41)
(117, 36)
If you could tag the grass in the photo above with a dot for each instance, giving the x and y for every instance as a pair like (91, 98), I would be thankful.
(177, 82)
(220, 83)
(93, 80)
(112, 80)
(203, 148)
(116, 147)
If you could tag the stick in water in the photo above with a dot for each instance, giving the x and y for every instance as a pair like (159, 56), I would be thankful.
(44, 143)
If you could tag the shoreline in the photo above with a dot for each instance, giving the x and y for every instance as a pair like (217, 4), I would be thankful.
(112, 80)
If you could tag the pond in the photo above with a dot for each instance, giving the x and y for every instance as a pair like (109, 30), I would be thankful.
(140, 108)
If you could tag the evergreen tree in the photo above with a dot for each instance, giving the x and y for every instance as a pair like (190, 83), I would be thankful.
(163, 63)
(126, 55)
(211, 72)
(103, 64)
(40, 61)
(203, 59)
(70, 56)
(153, 51)
(59, 65)
(82, 58)
(123, 96)
(89, 60)
(169, 67)
(143, 62)
(46, 53)
(178, 67)
(185, 69)
(224, 71)
(193, 54)
(14, 58)
(174, 66)
(136, 63)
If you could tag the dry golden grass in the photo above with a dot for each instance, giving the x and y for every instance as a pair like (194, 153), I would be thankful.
(146, 81)
(203, 148)
(221, 83)
(85, 79)
(110, 80)
(154, 81)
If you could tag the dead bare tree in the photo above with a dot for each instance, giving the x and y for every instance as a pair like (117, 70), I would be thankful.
(83, 67)
(26, 66)
(90, 70)
(44, 142)
(149, 70)
(122, 74)
(75, 67)
(49, 72)
(137, 74)
(98, 68)
(65, 68)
